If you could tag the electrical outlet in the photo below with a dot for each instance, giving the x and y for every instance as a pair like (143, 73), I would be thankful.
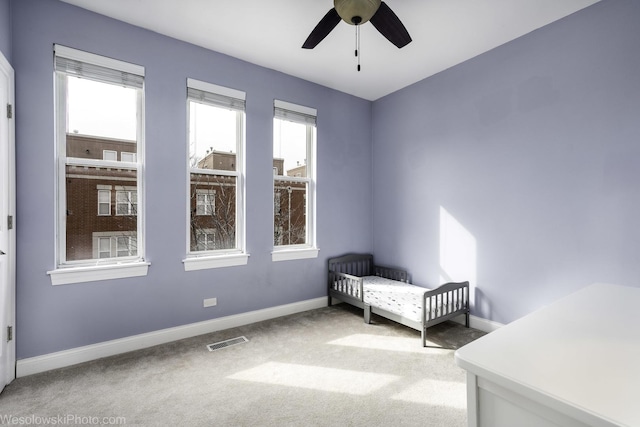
(210, 302)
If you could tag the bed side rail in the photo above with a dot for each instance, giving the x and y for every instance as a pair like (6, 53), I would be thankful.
(448, 300)
(391, 273)
(346, 284)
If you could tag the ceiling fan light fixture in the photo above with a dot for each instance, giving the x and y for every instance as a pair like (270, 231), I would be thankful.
(356, 12)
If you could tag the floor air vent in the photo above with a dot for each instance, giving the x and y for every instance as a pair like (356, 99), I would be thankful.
(227, 343)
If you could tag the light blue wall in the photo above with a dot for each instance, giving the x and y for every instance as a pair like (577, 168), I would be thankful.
(5, 29)
(52, 318)
(534, 149)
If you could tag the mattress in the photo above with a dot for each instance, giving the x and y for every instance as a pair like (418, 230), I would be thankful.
(399, 298)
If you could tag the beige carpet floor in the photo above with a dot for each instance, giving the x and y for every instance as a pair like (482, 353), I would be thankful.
(324, 367)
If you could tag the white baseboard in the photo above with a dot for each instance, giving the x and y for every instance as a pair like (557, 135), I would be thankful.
(479, 323)
(61, 359)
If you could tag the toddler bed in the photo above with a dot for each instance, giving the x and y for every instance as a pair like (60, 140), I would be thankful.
(387, 292)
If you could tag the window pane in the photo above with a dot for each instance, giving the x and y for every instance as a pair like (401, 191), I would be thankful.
(104, 244)
(290, 222)
(205, 240)
(104, 202)
(126, 246)
(213, 212)
(212, 137)
(82, 198)
(291, 140)
(109, 155)
(101, 109)
(128, 157)
(289, 148)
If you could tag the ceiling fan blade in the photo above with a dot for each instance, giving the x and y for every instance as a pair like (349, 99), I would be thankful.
(324, 27)
(390, 26)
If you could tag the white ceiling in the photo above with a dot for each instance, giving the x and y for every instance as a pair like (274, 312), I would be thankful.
(270, 33)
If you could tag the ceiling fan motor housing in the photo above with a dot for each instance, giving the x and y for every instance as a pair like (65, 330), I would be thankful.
(356, 12)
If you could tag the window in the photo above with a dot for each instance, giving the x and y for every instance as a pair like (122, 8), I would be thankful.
(216, 176)
(206, 240)
(104, 247)
(294, 145)
(114, 244)
(126, 202)
(99, 112)
(205, 202)
(276, 205)
(104, 202)
(128, 157)
(126, 246)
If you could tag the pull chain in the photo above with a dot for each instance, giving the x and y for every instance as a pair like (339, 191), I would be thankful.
(358, 45)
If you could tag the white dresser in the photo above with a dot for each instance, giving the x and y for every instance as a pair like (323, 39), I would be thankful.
(575, 362)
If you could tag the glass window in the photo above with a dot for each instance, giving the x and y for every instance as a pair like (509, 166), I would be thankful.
(294, 178)
(216, 169)
(99, 114)
(104, 247)
(126, 202)
(104, 202)
(126, 246)
(206, 202)
(109, 155)
(128, 157)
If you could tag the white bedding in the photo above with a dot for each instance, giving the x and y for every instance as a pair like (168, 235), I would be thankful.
(400, 298)
(397, 297)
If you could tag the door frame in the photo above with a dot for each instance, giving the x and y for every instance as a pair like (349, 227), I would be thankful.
(8, 359)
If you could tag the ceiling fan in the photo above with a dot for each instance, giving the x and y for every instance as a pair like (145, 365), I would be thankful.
(357, 12)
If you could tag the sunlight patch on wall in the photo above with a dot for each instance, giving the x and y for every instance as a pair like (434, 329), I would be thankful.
(380, 342)
(458, 251)
(436, 393)
(316, 378)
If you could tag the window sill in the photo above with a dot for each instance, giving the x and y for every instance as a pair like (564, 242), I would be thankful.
(215, 261)
(292, 254)
(68, 275)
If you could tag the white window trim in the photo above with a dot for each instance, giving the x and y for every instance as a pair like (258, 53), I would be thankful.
(201, 260)
(209, 206)
(115, 155)
(129, 242)
(98, 248)
(108, 202)
(113, 238)
(309, 250)
(128, 203)
(133, 156)
(293, 253)
(68, 273)
(205, 262)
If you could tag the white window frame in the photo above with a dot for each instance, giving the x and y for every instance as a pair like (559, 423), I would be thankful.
(129, 203)
(130, 240)
(110, 153)
(100, 240)
(206, 232)
(67, 272)
(306, 115)
(209, 202)
(132, 156)
(112, 237)
(199, 260)
(108, 202)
